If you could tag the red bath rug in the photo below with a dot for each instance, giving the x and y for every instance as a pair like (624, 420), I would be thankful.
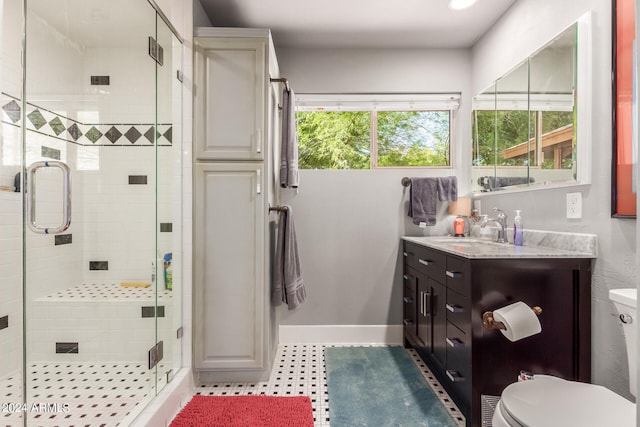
(245, 411)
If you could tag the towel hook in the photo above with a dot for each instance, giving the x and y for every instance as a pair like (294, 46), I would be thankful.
(278, 208)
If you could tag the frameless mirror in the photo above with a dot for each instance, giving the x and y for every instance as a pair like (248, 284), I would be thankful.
(525, 126)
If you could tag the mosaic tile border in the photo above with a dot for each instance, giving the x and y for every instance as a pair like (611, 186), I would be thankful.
(49, 123)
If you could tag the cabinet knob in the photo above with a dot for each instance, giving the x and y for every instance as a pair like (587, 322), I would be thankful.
(425, 261)
(454, 376)
(454, 308)
(455, 342)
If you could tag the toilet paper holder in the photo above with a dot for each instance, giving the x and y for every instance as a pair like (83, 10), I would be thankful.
(490, 323)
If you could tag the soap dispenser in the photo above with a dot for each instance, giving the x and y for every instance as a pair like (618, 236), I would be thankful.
(518, 231)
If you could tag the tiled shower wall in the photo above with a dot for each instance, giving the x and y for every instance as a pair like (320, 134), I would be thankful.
(11, 283)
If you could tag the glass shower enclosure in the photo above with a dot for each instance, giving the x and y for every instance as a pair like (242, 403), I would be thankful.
(90, 210)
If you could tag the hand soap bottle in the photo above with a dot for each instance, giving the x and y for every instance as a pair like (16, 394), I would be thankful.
(518, 231)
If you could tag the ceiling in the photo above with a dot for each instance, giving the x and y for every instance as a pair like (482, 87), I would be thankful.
(360, 23)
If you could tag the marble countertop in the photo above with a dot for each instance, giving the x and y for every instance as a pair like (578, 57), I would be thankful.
(538, 244)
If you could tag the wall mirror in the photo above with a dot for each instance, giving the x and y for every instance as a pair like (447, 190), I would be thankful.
(531, 126)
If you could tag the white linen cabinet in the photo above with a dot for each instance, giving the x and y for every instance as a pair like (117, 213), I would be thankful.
(235, 123)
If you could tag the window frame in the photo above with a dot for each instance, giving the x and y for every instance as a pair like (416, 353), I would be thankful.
(374, 103)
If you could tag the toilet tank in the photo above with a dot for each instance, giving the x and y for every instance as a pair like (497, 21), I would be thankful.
(626, 301)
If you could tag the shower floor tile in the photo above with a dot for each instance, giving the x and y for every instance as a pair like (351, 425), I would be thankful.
(300, 370)
(86, 394)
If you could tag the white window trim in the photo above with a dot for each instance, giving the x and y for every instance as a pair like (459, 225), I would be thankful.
(375, 102)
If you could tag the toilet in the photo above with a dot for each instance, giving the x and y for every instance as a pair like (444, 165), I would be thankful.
(548, 401)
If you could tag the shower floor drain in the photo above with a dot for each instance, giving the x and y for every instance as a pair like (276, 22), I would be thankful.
(69, 394)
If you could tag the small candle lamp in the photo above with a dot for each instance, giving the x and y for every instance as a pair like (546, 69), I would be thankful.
(461, 208)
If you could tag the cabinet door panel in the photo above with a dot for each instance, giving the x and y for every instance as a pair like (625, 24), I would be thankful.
(230, 99)
(423, 302)
(229, 266)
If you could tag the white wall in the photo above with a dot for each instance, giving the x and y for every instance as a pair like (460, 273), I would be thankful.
(349, 223)
(532, 23)
(200, 18)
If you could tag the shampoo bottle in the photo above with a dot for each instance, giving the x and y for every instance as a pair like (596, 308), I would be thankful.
(517, 229)
(168, 271)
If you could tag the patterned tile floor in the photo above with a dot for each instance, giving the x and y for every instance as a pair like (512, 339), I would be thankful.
(300, 370)
(78, 394)
(109, 394)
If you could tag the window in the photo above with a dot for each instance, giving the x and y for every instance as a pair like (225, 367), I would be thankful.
(374, 131)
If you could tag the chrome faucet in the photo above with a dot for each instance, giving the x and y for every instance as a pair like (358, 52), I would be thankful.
(501, 221)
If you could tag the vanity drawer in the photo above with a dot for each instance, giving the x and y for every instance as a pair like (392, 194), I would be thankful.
(458, 370)
(409, 312)
(457, 273)
(459, 311)
(431, 263)
(409, 254)
(409, 279)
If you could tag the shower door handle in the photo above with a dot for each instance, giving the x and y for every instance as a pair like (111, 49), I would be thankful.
(31, 197)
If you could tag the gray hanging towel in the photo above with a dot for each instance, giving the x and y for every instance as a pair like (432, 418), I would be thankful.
(288, 286)
(422, 200)
(448, 188)
(289, 177)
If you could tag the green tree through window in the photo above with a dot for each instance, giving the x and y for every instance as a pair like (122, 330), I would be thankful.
(333, 140)
(413, 138)
(345, 140)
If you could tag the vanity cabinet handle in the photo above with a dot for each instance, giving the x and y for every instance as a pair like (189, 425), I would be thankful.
(409, 322)
(454, 308)
(408, 300)
(455, 342)
(407, 276)
(425, 261)
(425, 303)
(454, 376)
(453, 274)
(405, 254)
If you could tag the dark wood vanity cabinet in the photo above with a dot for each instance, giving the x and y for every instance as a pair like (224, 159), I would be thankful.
(445, 296)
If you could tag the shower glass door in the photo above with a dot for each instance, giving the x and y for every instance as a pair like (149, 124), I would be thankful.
(93, 260)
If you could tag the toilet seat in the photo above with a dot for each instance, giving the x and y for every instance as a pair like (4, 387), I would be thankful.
(548, 401)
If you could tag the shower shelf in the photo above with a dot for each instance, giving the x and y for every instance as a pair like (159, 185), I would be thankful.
(108, 321)
(108, 292)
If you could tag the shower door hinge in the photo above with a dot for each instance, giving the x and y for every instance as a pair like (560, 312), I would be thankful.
(155, 354)
(156, 51)
(179, 332)
(170, 375)
(179, 76)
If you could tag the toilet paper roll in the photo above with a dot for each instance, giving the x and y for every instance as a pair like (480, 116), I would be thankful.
(520, 320)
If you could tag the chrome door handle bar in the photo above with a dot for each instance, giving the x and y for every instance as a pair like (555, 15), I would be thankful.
(66, 197)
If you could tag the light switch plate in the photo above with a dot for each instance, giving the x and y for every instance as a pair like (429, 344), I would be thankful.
(574, 205)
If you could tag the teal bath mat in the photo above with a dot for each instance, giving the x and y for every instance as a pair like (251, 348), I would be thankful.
(380, 387)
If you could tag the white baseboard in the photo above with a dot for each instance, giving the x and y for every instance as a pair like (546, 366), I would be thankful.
(341, 334)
